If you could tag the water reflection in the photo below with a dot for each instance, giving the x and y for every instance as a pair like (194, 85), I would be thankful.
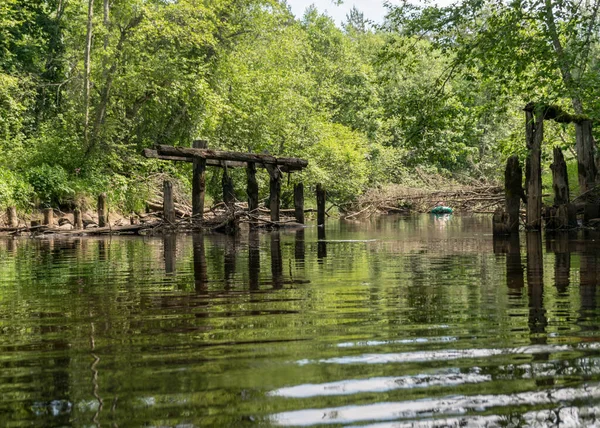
(401, 321)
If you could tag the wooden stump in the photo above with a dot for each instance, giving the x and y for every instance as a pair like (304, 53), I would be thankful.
(275, 191)
(560, 179)
(534, 136)
(12, 219)
(590, 212)
(168, 202)
(48, 217)
(321, 197)
(77, 220)
(586, 165)
(299, 202)
(198, 182)
(102, 210)
(252, 191)
(228, 190)
(513, 185)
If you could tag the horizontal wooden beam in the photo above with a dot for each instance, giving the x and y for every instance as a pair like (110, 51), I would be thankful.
(221, 155)
(556, 113)
(153, 154)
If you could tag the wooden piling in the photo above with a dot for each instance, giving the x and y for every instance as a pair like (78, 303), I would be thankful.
(198, 182)
(48, 217)
(228, 190)
(299, 202)
(560, 179)
(586, 165)
(321, 197)
(513, 185)
(102, 210)
(252, 191)
(77, 220)
(534, 136)
(275, 191)
(11, 215)
(168, 202)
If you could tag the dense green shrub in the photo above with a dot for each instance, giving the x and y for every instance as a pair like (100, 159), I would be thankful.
(50, 184)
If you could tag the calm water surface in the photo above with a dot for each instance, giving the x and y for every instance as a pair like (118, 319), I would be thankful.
(395, 322)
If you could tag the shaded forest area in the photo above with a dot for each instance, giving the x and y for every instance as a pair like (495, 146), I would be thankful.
(432, 96)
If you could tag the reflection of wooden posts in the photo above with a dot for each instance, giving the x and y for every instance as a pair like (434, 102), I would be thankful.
(252, 190)
(585, 155)
(229, 262)
(11, 215)
(535, 284)
(299, 202)
(102, 210)
(253, 260)
(321, 244)
(513, 184)
(198, 182)
(102, 250)
(514, 267)
(588, 278)
(562, 262)
(299, 246)
(276, 260)
(200, 268)
(170, 252)
(275, 190)
(228, 190)
(534, 136)
(168, 202)
(321, 196)
(77, 220)
(48, 217)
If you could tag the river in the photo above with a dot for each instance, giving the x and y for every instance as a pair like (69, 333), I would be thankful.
(417, 321)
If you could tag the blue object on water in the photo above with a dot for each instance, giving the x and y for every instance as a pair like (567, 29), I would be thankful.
(441, 210)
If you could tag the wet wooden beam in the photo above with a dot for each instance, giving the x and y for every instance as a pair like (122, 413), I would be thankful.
(299, 202)
(230, 156)
(198, 182)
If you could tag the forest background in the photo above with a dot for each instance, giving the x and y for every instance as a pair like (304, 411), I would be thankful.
(85, 85)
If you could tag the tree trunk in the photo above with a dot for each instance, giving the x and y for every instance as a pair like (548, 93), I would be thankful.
(87, 70)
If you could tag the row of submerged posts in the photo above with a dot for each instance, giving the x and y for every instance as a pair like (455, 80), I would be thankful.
(202, 157)
(563, 214)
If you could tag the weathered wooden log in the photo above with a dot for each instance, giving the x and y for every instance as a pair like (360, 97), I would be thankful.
(77, 219)
(534, 136)
(102, 210)
(500, 222)
(321, 198)
(275, 191)
(252, 191)
(586, 165)
(228, 190)
(230, 156)
(560, 179)
(168, 202)
(299, 202)
(590, 212)
(198, 182)
(11, 215)
(48, 217)
(513, 185)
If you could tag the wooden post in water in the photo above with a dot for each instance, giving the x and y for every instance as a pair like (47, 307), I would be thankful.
(513, 185)
(198, 182)
(275, 190)
(252, 191)
(102, 210)
(321, 196)
(228, 191)
(560, 179)
(168, 202)
(48, 217)
(299, 202)
(586, 165)
(77, 220)
(534, 136)
(11, 214)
